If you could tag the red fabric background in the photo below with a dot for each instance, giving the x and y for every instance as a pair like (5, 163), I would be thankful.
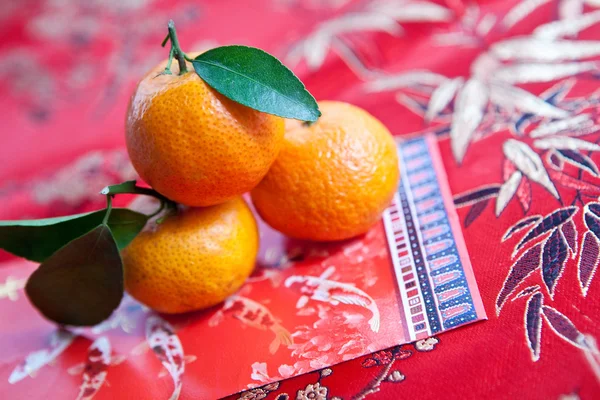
(67, 69)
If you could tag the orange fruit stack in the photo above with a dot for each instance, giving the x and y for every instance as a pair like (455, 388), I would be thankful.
(327, 181)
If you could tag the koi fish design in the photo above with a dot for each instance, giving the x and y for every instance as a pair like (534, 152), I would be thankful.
(95, 369)
(59, 341)
(267, 275)
(332, 292)
(255, 315)
(167, 347)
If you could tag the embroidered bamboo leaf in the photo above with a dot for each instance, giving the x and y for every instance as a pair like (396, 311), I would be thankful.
(567, 27)
(550, 222)
(475, 211)
(588, 261)
(470, 104)
(524, 195)
(477, 195)
(565, 143)
(526, 292)
(554, 160)
(521, 269)
(405, 79)
(507, 191)
(36, 240)
(592, 218)
(540, 72)
(593, 208)
(533, 324)
(563, 327)
(316, 45)
(82, 283)
(441, 97)
(569, 232)
(510, 97)
(554, 256)
(418, 11)
(520, 225)
(571, 124)
(571, 10)
(566, 180)
(579, 160)
(258, 80)
(530, 48)
(529, 163)
(520, 11)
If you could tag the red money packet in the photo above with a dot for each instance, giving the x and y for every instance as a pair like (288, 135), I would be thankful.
(306, 307)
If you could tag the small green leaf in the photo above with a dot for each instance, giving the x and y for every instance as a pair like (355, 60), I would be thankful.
(36, 240)
(258, 80)
(125, 224)
(82, 283)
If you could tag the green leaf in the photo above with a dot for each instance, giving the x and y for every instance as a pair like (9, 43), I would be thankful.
(258, 80)
(36, 240)
(82, 283)
(125, 224)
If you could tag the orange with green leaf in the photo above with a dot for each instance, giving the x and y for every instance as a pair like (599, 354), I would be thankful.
(201, 130)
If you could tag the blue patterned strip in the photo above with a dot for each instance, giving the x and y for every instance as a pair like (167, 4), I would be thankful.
(441, 276)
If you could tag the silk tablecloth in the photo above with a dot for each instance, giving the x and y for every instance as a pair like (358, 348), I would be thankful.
(510, 89)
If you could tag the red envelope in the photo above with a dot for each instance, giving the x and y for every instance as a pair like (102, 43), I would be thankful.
(306, 307)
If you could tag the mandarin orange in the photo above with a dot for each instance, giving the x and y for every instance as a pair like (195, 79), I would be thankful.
(194, 145)
(193, 259)
(332, 179)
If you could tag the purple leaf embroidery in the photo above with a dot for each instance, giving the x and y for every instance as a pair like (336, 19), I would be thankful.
(521, 269)
(552, 221)
(569, 232)
(476, 195)
(533, 324)
(522, 224)
(554, 160)
(563, 327)
(594, 208)
(554, 256)
(588, 261)
(592, 218)
(526, 292)
(475, 211)
(577, 159)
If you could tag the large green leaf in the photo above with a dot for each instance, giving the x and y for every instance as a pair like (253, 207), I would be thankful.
(82, 283)
(258, 80)
(36, 240)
